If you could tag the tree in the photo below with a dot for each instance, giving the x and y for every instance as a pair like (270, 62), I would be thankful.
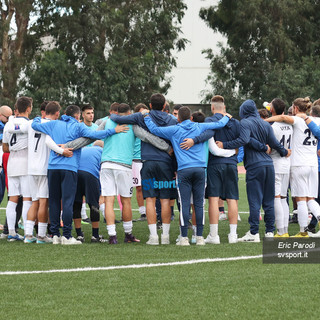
(271, 48)
(116, 50)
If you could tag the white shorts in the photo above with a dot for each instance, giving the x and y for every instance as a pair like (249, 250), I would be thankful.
(304, 182)
(19, 186)
(136, 176)
(114, 182)
(39, 187)
(281, 184)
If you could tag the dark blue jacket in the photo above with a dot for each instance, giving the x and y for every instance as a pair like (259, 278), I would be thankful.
(161, 119)
(252, 126)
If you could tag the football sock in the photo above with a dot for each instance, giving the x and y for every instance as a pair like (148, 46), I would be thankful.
(25, 208)
(165, 229)
(314, 208)
(278, 212)
(29, 227)
(79, 232)
(11, 217)
(127, 226)
(302, 215)
(153, 229)
(194, 230)
(42, 228)
(142, 210)
(101, 208)
(111, 230)
(95, 232)
(286, 213)
(213, 230)
(233, 229)
(84, 211)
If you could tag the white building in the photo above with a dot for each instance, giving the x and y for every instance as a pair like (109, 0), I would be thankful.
(188, 78)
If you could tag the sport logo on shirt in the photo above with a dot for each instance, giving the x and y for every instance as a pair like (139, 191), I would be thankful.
(16, 127)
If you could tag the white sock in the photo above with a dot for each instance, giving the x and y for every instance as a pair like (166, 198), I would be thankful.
(29, 225)
(278, 212)
(127, 226)
(213, 230)
(233, 229)
(111, 230)
(165, 229)
(25, 208)
(153, 229)
(84, 211)
(42, 229)
(102, 208)
(302, 215)
(11, 217)
(314, 208)
(286, 214)
(142, 210)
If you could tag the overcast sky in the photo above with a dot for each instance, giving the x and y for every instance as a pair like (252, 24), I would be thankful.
(188, 78)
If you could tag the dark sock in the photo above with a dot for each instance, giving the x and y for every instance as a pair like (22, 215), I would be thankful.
(36, 228)
(221, 209)
(95, 232)
(79, 232)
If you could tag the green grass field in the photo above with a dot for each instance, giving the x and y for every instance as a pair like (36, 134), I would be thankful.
(245, 289)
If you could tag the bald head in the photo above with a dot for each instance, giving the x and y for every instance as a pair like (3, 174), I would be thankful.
(5, 113)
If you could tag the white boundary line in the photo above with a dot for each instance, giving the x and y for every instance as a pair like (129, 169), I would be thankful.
(132, 266)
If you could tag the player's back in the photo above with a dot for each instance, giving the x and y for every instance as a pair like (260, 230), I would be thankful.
(304, 144)
(283, 133)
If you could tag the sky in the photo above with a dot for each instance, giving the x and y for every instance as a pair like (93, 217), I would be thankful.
(188, 78)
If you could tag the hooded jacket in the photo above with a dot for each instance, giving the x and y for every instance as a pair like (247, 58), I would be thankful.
(196, 156)
(62, 131)
(161, 119)
(252, 127)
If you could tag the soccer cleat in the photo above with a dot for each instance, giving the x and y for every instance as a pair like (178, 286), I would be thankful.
(44, 240)
(222, 216)
(194, 239)
(212, 240)
(80, 238)
(97, 240)
(29, 239)
(17, 237)
(286, 235)
(3, 236)
(200, 241)
(143, 217)
(310, 228)
(159, 225)
(153, 240)
(129, 238)
(56, 240)
(314, 235)
(184, 241)
(232, 238)
(239, 218)
(113, 240)
(85, 221)
(294, 218)
(249, 237)
(70, 241)
(165, 239)
(269, 235)
(301, 235)
(277, 235)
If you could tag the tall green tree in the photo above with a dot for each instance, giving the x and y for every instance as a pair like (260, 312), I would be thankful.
(114, 50)
(272, 49)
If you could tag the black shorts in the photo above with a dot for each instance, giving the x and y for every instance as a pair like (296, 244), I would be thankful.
(157, 180)
(89, 186)
(223, 181)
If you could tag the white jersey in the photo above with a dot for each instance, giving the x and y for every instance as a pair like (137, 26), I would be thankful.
(18, 146)
(38, 152)
(304, 144)
(283, 133)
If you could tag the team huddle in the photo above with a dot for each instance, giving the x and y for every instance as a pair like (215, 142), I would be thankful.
(53, 163)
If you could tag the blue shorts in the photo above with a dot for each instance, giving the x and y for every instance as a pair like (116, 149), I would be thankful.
(222, 181)
(157, 180)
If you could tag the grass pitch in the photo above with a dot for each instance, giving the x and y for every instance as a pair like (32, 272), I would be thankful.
(245, 289)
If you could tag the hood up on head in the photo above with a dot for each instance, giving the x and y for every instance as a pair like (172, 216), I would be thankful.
(248, 109)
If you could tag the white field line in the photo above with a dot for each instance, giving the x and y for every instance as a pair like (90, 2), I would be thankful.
(132, 266)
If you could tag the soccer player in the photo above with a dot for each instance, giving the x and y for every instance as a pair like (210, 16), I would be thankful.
(62, 171)
(283, 133)
(260, 171)
(157, 165)
(116, 177)
(17, 170)
(191, 166)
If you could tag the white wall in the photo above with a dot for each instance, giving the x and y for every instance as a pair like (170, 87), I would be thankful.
(188, 78)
